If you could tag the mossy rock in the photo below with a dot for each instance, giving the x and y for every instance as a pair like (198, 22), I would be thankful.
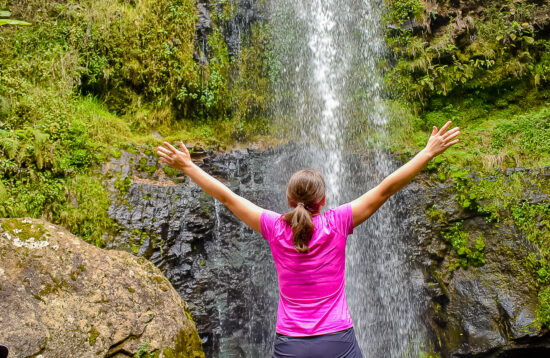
(62, 297)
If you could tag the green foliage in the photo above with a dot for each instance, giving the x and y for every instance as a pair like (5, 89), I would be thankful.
(491, 195)
(505, 128)
(470, 254)
(544, 307)
(399, 11)
(143, 352)
(530, 133)
(504, 46)
(4, 19)
(534, 222)
(123, 185)
(90, 79)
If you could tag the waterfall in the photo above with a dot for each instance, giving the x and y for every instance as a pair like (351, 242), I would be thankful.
(329, 92)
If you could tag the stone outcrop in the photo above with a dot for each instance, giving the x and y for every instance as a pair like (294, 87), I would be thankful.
(235, 19)
(222, 269)
(61, 297)
(226, 273)
(485, 311)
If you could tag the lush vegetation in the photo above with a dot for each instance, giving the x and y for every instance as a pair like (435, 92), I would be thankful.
(486, 68)
(488, 72)
(89, 79)
(470, 252)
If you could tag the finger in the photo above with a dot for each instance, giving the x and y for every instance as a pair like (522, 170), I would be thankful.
(184, 148)
(444, 128)
(452, 143)
(165, 156)
(451, 131)
(163, 150)
(451, 136)
(170, 147)
(434, 131)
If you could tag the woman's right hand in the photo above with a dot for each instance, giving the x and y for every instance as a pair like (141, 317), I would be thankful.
(440, 140)
(177, 159)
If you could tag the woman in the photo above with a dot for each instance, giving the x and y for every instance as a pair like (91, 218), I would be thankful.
(309, 247)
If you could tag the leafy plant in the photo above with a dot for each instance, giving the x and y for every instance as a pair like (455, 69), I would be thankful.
(5, 19)
(468, 253)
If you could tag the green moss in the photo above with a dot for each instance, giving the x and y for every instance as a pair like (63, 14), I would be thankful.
(92, 336)
(494, 195)
(436, 214)
(171, 172)
(116, 153)
(469, 253)
(24, 231)
(82, 268)
(134, 248)
(123, 185)
(544, 307)
(145, 352)
(399, 11)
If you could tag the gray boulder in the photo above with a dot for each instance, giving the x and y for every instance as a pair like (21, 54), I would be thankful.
(61, 297)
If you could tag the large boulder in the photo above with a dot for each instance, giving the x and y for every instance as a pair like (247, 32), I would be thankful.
(61, 297)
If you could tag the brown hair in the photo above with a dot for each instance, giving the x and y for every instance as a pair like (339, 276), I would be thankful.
(305, 191)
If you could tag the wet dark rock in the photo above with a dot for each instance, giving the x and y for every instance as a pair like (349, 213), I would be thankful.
(225, 270)
(244, 14)
(487, 311)
(216, 264)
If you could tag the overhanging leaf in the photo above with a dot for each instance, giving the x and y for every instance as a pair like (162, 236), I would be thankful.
(5, 13)
(13, 22)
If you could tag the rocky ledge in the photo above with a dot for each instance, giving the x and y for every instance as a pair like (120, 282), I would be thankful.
(486, 305)
(61, 297)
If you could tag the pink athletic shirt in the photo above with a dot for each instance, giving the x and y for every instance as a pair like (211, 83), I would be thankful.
(312, 289)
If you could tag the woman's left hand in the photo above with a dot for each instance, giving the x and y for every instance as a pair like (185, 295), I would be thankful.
(177, 159)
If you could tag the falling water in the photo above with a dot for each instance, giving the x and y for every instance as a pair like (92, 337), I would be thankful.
(329, 101)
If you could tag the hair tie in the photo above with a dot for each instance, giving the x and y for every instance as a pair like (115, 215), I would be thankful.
(300, 204)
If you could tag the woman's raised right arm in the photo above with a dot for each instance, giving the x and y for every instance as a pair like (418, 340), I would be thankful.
(245, 210)
(367, 204)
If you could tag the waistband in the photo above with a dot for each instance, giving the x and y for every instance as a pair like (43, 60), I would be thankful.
(337, 333)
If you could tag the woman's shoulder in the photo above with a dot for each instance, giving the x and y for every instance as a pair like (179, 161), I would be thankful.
(340, 219)
(272, 224)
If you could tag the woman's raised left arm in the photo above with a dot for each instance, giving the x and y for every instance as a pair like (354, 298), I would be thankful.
(245, 210)
(367, 204)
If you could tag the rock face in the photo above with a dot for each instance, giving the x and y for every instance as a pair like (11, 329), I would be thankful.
(225, 271)
(61, 297)
(485, 311)
(221, 268)
(235, 20)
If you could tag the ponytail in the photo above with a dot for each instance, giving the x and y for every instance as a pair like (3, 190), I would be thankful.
(305, 193)
(302, 227)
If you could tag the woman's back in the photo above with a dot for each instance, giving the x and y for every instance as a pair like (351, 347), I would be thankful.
(311, 285)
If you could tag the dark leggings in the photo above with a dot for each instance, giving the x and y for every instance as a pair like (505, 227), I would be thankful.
(341, 344)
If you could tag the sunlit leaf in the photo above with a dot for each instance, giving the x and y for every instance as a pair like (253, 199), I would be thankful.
(5, 13)
(13, 22)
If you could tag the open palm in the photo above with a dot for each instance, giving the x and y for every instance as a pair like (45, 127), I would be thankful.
(440, 140)
(173, 157)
